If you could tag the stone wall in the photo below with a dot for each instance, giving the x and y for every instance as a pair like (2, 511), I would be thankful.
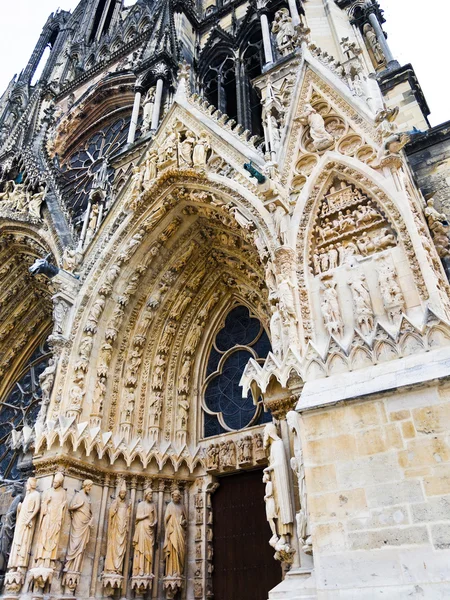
(378, 476)
(429, 156)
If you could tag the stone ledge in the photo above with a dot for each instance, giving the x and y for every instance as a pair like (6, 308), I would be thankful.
(390, 376)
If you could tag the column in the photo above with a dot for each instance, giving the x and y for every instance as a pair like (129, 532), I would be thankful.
(126, 580)
(157, 106)
(294, 12)
(134, 116)
(268, 54)
(99, 535)
(381, 37)
(85, 226)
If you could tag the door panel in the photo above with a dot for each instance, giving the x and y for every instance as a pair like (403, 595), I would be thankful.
(244, 567)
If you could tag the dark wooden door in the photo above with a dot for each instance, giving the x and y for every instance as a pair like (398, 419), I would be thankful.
(244, 567)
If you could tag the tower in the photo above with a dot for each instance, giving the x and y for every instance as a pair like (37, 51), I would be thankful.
(225, 334)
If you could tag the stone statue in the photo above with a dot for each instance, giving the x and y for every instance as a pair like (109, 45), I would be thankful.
(149, 103)
(93, 222)
(186, 149)
(144, 536)
(201, 149)
(168, 149)
(298, 466)
(7, 529)
(281, 221)
(279, 476)
(331, 310)
(70, 260)
(433, 216)
(391, 292)
(319, 135)
(137, 183)
(151, 168)
(53, 509)
(175, 521)
(118, 525)
(362, 303)
(283, 29)
(35, 203)
(81, 515)
(19, 556)
(271, 510)
(276, 328)
(374, 44)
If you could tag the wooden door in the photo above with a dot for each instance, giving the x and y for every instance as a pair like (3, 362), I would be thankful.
(244, 567)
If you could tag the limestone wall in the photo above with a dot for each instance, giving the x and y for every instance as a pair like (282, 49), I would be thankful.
(378, 476)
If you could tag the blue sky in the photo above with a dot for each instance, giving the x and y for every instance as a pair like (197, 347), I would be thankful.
(418, 33)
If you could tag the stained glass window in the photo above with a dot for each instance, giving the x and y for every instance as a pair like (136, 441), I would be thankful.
(78, 173)
(20, 408)
(242, 338)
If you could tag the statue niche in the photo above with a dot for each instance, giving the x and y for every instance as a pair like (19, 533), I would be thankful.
(349, 225)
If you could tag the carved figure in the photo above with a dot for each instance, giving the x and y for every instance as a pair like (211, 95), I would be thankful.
(70, 260)
(27, 512)
(149, 103)
(271, 509)
(81, 515)
(46, 379)
(281, 221)
(374, 44)
(331, 311)
(278, 473)
(168, 149)
(298, 466)
(7, 528)
(186, 149)
(175, 522)
(391, 292)
(433, 216)
(212, 457)
(201, 149)
(319, 135)
(118, 524)
(35, 202)
(53, 509)
(283, 29)
(94, 315)
(144, 536)
(362, 303)
(93, 222)
(151, 167)
(276, 328)
(137, 182)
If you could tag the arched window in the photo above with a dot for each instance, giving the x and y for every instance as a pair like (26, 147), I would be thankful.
(20, 408)
(243, 337)
(220, 85)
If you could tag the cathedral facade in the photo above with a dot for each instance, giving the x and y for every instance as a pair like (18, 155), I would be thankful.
(225, 308)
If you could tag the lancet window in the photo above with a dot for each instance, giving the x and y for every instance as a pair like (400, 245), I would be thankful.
(20, 408)
(243, 337)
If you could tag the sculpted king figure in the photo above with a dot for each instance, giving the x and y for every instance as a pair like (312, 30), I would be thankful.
(81, 514)
(118, 524)
(19, 556)
(175, 521)
(144, 539)
(52, 514)
(279, 476)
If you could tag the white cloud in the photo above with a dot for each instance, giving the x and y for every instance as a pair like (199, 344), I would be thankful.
(418, 34)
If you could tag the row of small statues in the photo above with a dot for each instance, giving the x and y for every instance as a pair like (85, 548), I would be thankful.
(341, 198)
(339, 254)
(46, 514)
(17, 198)
(227, 454)
(184, 149)
(362, 216)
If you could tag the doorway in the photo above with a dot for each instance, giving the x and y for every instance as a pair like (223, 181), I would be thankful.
(244, 567)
